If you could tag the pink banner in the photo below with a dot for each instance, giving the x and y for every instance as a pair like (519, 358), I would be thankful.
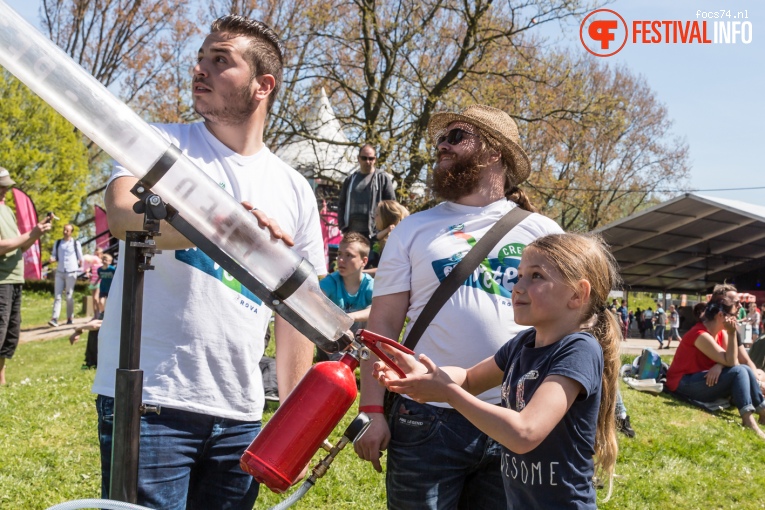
(330, 231)
(102, 228)
(26, 219)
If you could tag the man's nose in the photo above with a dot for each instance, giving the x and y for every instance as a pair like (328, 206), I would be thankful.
(199, 69)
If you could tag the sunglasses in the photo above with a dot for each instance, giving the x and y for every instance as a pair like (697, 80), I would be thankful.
(367, 158)
(454, 136)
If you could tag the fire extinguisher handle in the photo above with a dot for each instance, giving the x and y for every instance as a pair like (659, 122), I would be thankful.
(371, 341)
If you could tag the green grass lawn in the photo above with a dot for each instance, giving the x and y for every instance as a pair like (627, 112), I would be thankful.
(682, 457)
(36, 308)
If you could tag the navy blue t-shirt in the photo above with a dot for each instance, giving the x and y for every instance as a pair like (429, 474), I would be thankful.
(557, 473)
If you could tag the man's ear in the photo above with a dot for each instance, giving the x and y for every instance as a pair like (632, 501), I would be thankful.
(493, 156)
(581, 294)
(264, 86)
(365, 260)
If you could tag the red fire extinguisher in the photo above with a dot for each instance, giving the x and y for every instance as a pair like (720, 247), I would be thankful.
(301, 424)
(306, 418)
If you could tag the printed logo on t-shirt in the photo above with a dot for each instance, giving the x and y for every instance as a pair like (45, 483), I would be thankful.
(495, 276)
(199, 260)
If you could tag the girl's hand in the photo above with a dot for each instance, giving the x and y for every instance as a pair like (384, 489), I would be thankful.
(406, 362)
(428, 386)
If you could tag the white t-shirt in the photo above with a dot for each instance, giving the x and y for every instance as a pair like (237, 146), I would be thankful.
(478, 318)
(202, 335)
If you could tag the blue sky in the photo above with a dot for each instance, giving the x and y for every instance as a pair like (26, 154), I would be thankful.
(713, 92)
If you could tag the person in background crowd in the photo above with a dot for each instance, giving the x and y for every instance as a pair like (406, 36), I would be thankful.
(753, 318)
(105, 277)
(674, 325)
(623, 319)
(90, 265)
(660, 322)
(640, 322)
(708, 366)
(361, 192)
(91, 349)
(12, 247)
(389, 214)
(648, 321)
(68, 253)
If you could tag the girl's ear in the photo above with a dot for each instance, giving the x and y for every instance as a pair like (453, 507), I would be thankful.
(581, 294)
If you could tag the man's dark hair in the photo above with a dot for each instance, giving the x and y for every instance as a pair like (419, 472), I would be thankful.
(265, 54)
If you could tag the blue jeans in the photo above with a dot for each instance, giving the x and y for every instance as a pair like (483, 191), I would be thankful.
(437, 459)
(737, 382)
(186, 460)
(659, 334)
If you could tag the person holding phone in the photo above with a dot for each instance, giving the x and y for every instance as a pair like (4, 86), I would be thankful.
(12, 247)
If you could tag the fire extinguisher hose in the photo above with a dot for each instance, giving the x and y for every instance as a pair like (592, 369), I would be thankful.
(294, 497)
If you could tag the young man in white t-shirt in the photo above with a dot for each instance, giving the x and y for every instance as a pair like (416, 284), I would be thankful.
(68, 253)
(436, 457)
(203, 332)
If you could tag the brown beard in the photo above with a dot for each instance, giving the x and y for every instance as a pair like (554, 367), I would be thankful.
(237, 107)
(459, 179)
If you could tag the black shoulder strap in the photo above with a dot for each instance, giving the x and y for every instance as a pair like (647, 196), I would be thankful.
(461, 271)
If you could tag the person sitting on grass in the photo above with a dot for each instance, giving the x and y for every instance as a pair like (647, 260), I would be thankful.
(706, 365)
(558, 378)
(91, 349)
(349, 287)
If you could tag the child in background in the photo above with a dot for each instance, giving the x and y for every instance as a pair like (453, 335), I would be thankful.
(105, 274)
(90, 265)
(558, 379)
(349, 287)
(389, 213)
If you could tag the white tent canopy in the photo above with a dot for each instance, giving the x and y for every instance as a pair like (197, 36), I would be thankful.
(689, 243)
(322, 154)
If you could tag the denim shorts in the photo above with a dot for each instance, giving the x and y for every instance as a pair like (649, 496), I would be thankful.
(437, 459)
(186, 460)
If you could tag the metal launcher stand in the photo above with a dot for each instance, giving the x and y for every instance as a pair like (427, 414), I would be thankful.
(139, 248)
(128, 392)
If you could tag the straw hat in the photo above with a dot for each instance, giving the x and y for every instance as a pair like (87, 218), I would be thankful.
(494, 123)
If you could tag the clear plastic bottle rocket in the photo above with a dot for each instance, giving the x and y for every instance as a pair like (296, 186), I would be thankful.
(106, 120)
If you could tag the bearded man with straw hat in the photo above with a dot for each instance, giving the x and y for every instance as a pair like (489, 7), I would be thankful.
(436, 457)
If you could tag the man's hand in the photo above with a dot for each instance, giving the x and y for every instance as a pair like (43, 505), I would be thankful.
(269, 223)
(372, 443)
(39, 229)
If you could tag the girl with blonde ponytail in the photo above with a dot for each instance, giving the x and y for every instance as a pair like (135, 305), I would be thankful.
(556, 423)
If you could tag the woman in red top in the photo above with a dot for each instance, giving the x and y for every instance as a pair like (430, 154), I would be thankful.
(706, 365)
